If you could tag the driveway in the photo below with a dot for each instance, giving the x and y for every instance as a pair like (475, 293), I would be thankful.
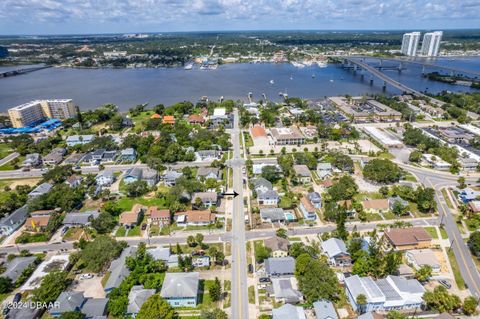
(91, 287)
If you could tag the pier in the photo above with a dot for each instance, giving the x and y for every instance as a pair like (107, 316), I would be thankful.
(22, 71)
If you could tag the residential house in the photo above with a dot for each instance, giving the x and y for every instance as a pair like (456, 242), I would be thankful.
(137, 297)
(467, 195)
(302, 173)
(79, 219)
(100, 156)
(79, 140)
(105, 178)
(285, 290)
(163, 254)
(278, 246)
(208, 172)
(201, 261)
(155, 116)
(423, 257)
(324, 309)
(259, 135)
(128, 155)
(181, 289)
(150, 176)
(168, 119)
(260, 184)
(324, 170)
(74, 181)
(391, 293)
(397, 199)
(159, 217)
(32, 160)
(307, 209)
(11, 222)
(132, 218)
(195, 218)
(288, 311)
(257, 168)
(316, 199)
(55, 156)
(336, 252)
(40, 190)
(373, 315)
(15, 267)
(37, 223)
(74, 159)
(133, 174)
(287, 136)
(118, 269)
(268, 198)
(207, 155)
(170, 177)
(196, 119)
(127, 122)
(75, 301)
(280, 267)
(408, 238)
(468, 164)
(375, 205)
(207, 199)
(272, 215)
(436, 162)
(220, 117)
(474, 206)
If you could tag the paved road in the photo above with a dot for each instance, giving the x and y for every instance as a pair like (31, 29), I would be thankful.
(8, 158)
(464, 259)
(239, 258)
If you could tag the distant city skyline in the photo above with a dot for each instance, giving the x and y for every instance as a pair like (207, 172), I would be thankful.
(30, 17)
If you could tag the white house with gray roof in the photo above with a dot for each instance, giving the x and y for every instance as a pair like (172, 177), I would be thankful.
(11, 222)
(181, 289)
(16, 266)
(40, 190)
(75, 301)
(390, 293)
(324, 309)
(285, 290)
(268, 198)
(261, 184)
(80, 218)
(288, 311)
(118, 269)
(336, 252)
(137, 297)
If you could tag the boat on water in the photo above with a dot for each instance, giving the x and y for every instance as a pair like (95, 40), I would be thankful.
(322, 64)
(313, 76)
(298, 64)
(272, 82)
(188, 66)
(331, 80)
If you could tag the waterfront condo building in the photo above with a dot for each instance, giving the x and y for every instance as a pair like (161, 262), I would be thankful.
(410, 43)
(35, 111)
(431, 43)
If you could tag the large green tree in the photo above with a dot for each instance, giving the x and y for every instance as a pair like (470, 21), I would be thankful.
(382, 171)
(440, 300)
(52, 285)
(97, 254)
(156, 308)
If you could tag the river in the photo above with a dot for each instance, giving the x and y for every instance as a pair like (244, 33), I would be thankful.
(90, 88)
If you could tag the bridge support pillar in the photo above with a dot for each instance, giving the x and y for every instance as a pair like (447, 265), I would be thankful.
(400, 67)
(384, 87)
(423, 70)
(371, 80)
(355, 68)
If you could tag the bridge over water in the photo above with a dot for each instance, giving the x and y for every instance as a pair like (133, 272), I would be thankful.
(22, 71)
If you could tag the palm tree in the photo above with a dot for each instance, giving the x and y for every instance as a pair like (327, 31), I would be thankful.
(361, 302)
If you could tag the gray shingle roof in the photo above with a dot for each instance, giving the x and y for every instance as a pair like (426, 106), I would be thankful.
(270, 194)
(160, 253)
(280, 266)
(180, 285)
(334, 247)
(94, 307)
(40, 190)
(137, 297)
(69, 301)
(118, 269)
(80, 218)
(16, 218)
(324, 309)
(288, 311)
(283, 288)
(16, 266)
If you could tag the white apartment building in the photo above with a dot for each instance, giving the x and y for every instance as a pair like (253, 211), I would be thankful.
(410, 43)
(431, 43)
(34, 111)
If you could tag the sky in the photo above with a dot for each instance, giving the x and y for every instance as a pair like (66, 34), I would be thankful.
(134, 16)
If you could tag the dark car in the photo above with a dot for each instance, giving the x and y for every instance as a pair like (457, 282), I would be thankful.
(445, 283)
(17, 297)
(264, 279)
(250, 268)
(144, 226)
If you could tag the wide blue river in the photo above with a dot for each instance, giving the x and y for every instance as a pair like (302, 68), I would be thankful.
(127, 87)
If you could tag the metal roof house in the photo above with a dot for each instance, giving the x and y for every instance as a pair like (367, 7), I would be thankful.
(13, 221)
(181, 289)
(118, 269)
(137, 297)
(324, 309)
(40, 190)
(80, 219)
(75, 301)
(391, 293)
(284, 291)
(288, 311)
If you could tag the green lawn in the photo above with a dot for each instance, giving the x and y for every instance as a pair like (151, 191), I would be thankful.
(11, 165)
(447, 199)
(432, 231)
(127, 203)
(410, 178)
(135, 231)
(248, 139)
(251, 294)
(373, 217)
(5, 150)
(121, 232)
(443, 232)
(456, 272)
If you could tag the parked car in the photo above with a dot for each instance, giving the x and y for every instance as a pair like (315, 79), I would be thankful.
(86, 276)
(445, 283)
(264, 279)
(250, 268)
(144, 226)
(17, 297)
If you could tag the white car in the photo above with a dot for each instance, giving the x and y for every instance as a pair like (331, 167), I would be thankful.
(86, 276)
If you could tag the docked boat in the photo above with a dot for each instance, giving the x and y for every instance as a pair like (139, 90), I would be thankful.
(298, 64)
(272, 82)
(188, 66)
